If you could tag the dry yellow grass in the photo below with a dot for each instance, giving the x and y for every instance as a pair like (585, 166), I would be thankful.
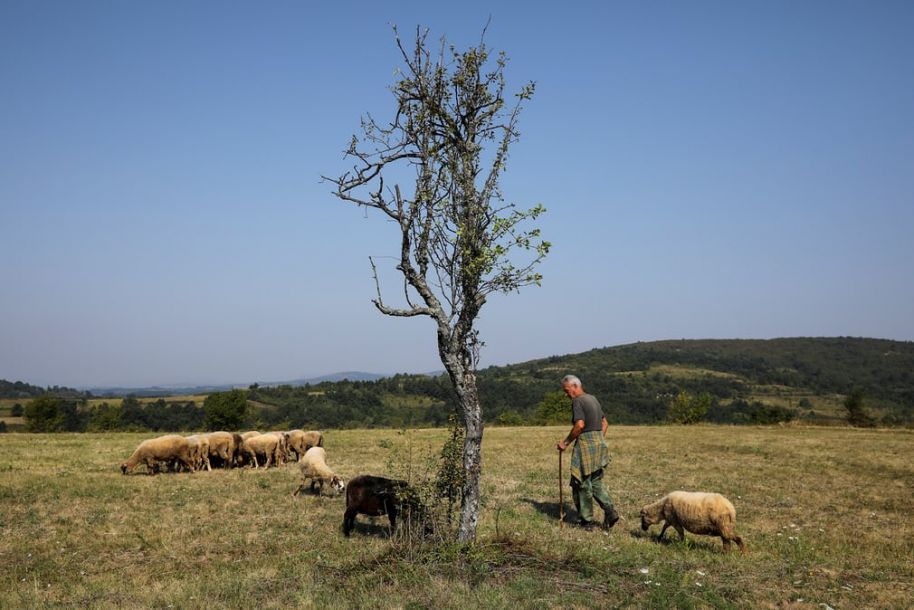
(826, 513)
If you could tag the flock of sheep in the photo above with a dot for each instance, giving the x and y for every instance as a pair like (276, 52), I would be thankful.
(701, 513)
(228, 449)
(366, 494)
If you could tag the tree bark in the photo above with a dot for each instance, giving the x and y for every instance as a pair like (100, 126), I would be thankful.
(472, 458)
(457, 356)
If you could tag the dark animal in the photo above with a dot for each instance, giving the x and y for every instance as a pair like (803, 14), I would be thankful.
(375, 496)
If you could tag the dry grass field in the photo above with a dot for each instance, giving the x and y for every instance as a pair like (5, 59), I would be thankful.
(826, 514)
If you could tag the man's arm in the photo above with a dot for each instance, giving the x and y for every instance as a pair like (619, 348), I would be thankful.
(576, 430)
(605, 425)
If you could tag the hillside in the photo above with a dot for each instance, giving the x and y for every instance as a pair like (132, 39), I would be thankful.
(14, 390)
(746, 382)
(809, 376)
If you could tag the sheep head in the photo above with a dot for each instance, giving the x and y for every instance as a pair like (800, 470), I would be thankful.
(650, 515)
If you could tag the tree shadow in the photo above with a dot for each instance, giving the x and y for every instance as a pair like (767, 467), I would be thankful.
(551, 509)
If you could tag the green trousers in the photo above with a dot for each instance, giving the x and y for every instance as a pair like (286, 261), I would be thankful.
(586, 491)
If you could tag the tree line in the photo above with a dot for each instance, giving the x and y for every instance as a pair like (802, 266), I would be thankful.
(627, 380)
(369, 405)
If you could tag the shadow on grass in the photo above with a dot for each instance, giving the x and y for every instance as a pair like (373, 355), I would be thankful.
(379, 529)
(705, 544)
(551, 510)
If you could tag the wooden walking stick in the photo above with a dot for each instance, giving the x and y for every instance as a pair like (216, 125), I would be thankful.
(561, 496)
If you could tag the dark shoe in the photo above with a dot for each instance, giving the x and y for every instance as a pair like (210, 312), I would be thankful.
(610, 518)
(588, 525)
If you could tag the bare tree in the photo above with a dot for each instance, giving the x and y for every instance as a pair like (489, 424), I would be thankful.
(450, 137)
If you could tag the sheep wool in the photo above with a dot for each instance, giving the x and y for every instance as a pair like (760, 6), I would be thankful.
(160, 450)
(313, 466)
(266, 445)
(703, 513)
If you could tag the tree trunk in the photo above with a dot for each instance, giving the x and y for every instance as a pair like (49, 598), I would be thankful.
(472, 457)
(456, 356)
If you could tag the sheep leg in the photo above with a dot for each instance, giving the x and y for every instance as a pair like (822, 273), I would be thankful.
(680, 530)
(300, 489)
(391, 506)
(348, 521)
(727, 535)
(666, 524)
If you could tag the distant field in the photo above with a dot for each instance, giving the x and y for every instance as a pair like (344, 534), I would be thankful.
(826, 513)
(7, 403)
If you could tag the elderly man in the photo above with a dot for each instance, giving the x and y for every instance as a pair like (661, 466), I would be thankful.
(589, 457)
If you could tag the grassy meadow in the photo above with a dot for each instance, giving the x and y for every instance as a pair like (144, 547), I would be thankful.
(826, 514)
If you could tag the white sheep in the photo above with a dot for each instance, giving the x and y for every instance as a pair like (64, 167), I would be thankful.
(160, 450)
(282, 455)
(703, 513)
(300, 441)
(225, 446)
(313, 465)
(199, 447)
(266, 445)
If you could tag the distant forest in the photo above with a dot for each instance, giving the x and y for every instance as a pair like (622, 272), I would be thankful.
(18, 389)
(722, 381)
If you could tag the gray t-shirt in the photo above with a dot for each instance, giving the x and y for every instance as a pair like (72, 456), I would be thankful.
(586, 407)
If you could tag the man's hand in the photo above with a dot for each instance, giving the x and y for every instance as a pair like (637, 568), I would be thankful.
(562, 445)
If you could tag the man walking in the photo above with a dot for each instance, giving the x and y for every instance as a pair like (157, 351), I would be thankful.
(589, 457)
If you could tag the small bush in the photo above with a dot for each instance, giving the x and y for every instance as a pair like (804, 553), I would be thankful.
(686, 408)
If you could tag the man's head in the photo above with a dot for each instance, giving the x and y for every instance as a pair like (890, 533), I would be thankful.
(571, 385)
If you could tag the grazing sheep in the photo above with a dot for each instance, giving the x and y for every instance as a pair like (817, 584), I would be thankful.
(300, 441)
(283, 453)
(223, 446)
(313, 465)
(239, 448)
(703, 513)
(375, 496)
(243, 458)
(199, 448)
(160, 450)
(266, 445)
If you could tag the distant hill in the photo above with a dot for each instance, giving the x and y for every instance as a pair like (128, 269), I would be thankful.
(810, 376)
(19, 390)
(746, 381)
(345, 376)
(188, 390)
(742, 380)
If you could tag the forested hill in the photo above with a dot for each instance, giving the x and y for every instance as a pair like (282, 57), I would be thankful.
(637, 379)
(736, 381)
(19, 389)
(882, 368)
(727, 381)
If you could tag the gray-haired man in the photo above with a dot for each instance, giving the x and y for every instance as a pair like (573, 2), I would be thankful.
(590, 455)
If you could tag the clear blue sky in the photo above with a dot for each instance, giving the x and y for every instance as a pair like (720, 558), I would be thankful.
(710, 169)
